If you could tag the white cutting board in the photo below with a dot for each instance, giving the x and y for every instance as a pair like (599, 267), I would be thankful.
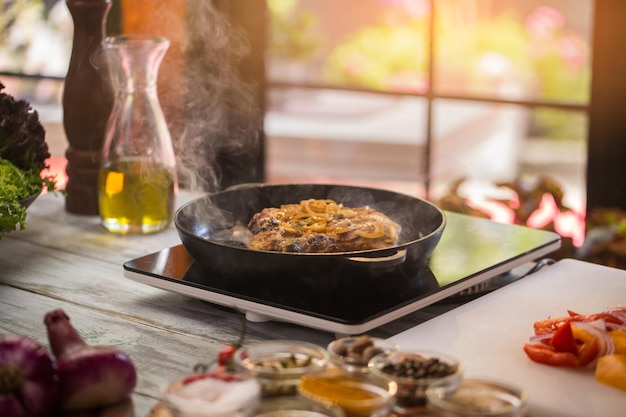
(488, 334)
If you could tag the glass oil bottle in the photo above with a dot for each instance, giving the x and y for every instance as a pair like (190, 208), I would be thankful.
(137, 181)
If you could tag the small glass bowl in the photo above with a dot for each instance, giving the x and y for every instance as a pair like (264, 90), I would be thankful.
(296, 406)
(476, 397)
(414, 371)
(357, 394)
(353, 353)
(279, 364)
(212, 394)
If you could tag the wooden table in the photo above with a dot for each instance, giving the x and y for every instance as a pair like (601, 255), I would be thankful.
(67, 261)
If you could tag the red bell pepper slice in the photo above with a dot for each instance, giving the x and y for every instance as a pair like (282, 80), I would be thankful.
(547, 355)
(563, 340)
(551, 325)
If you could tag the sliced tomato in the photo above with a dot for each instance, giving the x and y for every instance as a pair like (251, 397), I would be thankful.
(563, 340)
(547, 355)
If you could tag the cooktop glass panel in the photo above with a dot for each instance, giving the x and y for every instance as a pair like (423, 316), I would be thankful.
(469, 246)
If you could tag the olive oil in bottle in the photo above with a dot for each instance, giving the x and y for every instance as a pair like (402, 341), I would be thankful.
(136, 197)
(137, 178)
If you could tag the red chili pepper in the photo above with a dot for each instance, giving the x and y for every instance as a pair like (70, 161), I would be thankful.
(216, 373)
(224, 356)
(192, 378)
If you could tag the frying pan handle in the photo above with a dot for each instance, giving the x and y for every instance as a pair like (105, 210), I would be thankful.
(392, 260)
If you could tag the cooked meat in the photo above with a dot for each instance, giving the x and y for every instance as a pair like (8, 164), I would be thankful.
(321, 226)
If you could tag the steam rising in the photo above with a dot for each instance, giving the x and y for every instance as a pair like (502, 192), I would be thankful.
(221, 120)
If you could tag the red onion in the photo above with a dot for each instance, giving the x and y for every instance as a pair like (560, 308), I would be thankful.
(597, 328)
(28, 383)
(89, 376)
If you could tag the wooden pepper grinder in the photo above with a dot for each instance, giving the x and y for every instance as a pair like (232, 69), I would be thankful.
(87, 103)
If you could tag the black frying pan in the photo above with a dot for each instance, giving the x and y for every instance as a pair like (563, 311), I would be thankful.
(206, 226)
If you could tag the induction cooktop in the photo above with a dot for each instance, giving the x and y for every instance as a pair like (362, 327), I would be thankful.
(471, 251)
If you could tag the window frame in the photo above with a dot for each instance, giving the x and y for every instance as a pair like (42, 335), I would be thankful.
(431, 95)
(606, 146)
(606, 138)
